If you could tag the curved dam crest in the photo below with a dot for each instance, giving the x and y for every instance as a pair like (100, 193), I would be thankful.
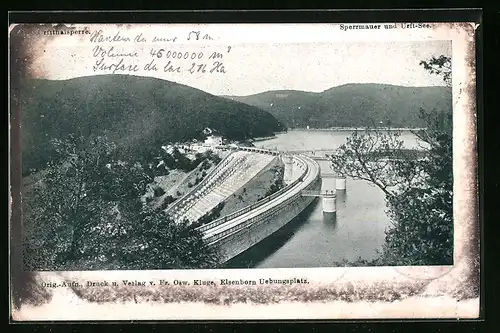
(237, 232)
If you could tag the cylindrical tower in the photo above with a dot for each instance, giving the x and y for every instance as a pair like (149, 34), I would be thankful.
(288, 175)
(329, 208)
(329, 203)
(340, 183)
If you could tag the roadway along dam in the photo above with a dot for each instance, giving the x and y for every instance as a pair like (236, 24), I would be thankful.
(237, 231)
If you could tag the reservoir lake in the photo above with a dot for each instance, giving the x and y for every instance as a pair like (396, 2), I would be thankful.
(310, 240)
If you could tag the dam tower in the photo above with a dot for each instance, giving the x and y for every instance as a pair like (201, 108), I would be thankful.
(340, 183)
(329, 201)
(288, 161)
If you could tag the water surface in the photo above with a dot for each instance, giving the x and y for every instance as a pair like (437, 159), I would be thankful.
(311, 240)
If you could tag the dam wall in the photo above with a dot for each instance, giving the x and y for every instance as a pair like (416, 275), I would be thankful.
(239, 237)
(263, 227)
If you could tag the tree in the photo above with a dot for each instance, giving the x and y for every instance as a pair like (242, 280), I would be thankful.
(151, 240)
(378, 156)
(85, 212)
(418, 189)
(440, 66)
(69, 200)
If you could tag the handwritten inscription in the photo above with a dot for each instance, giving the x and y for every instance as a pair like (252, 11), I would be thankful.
(99, 37)
(114, 67)
(197, 35)
(163, 39)
(128, 55)
(100, 51)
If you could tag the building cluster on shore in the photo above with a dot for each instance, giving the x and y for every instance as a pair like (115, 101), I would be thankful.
(210, 143)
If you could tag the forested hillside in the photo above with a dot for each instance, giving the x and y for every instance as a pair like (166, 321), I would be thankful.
(352, 105)
(136, 113)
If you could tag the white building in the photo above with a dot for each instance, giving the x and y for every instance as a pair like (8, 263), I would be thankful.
(213, 140)
(199, 148)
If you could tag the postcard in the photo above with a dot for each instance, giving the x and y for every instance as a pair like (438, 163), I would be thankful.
(243, 171)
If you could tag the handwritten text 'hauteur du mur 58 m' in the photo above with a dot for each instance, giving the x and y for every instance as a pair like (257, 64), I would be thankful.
(120, 54)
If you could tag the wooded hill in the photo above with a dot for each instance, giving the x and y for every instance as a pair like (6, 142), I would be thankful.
(352, 105)
(137, 113)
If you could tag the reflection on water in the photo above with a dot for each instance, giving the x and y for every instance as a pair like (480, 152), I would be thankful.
(341, 198)
(315, 240)
(256, 254)
(330, 220)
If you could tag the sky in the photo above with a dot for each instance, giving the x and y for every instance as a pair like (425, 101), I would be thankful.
(251, 68)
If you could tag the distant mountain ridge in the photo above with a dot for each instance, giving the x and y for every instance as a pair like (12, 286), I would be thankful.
(351, 105)
(137, 113)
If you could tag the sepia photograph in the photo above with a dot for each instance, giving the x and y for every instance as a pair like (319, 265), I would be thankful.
(329, 168)
(221, 161)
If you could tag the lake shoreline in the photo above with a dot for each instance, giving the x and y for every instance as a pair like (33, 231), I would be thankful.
(264, 138)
